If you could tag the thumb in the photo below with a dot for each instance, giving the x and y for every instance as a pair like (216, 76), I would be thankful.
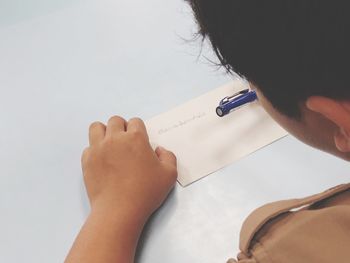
(166, 156)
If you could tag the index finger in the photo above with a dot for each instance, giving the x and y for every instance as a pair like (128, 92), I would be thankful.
(137, 125)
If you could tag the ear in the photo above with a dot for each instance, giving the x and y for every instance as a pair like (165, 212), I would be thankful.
(337, 112)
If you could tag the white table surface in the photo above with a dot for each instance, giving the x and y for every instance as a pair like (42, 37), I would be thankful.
(67, 63)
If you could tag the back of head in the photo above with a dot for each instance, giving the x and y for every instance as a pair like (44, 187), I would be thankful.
(290, 50)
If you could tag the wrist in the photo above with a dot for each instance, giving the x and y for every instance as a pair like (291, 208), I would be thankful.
(108, 235)
(120, 224)
(117, 214)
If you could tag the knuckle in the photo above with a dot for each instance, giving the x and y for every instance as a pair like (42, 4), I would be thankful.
(115, 118)
(136, 136)
(109, 141)
(95, 125)
(136, 120)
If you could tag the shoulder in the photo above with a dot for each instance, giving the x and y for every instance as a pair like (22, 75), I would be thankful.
(311, 229)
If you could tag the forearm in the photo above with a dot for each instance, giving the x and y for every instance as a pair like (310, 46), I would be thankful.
(107, 236)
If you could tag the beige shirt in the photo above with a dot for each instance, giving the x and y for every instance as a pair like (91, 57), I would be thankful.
(309, 230)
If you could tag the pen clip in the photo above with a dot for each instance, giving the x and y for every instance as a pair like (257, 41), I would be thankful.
(228, 98)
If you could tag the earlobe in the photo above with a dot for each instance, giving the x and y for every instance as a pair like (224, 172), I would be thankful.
(342, 141)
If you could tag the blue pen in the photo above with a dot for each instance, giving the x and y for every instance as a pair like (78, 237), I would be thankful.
(230, 103)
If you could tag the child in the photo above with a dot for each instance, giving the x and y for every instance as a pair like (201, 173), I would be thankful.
(294, 53)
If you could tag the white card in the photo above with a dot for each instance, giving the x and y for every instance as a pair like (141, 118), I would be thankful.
(204, 142)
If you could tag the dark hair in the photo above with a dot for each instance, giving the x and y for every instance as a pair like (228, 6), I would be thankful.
(290, 49)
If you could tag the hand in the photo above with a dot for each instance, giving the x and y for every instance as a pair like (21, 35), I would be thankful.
(122, 173)
(126, 182)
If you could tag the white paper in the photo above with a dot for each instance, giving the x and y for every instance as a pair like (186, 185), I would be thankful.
(204, 142)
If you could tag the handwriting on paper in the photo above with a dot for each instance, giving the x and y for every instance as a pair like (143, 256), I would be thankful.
(182, 123)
